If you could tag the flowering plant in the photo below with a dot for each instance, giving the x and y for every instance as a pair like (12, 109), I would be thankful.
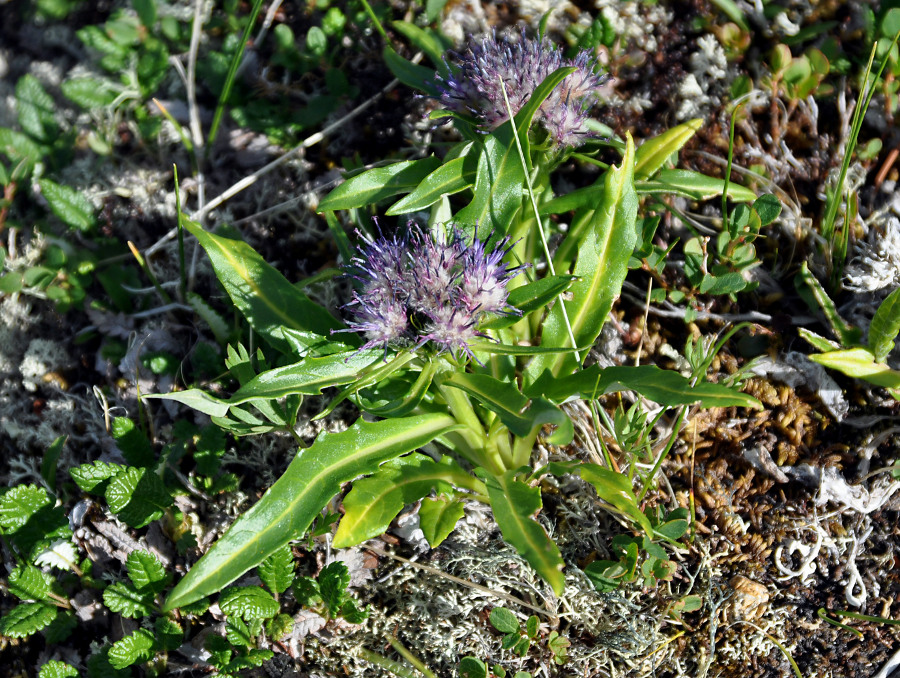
(463, 337)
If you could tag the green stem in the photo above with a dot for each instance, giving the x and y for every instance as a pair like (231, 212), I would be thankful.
(675, 429)
(523, 447)
(476, 448)
(410, 657)
(389, 665)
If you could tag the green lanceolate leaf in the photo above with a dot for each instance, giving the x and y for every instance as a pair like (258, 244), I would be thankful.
(410, 74)
(500, 176)
(375, 501)
(291, 504)
(374, 185)
(529, 298)
(307, 377)
(859, 363)
(519, 414)
(601, 268)
(451, 177)
(885, 326)
(693, 185)
(812, 292)
(514, 504)
(665, 387)
(265, 298)
(615, 488)
(653, 153)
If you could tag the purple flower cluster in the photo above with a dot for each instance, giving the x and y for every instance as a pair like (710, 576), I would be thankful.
(417, 289)
(474, 89)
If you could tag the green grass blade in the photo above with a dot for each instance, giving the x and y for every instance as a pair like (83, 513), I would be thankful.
(290, 505)
(232, 73)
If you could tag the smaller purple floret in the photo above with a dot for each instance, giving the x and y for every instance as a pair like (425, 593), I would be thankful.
(474, 89)
(418, 289)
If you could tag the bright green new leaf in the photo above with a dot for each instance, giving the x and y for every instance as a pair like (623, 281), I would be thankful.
(265, 298)
(137, 496)
(29, 583)
(451, 177)
(885, 326)
(859, 363)
(514, 504)
(500, 176)
(71, 206)
(19, 504)
(126, 601)
(89, 477)
(137, 648)
(373, 185)
(57, 669)
(601, 268)
(312, 479)
(277, 571)
(438, 517)
(248, 603)
(653, 153)
(693, 185)
(27, 618)
(375, 501)
(146, 572)
(89, 93)
(18, 147)
(665, 387)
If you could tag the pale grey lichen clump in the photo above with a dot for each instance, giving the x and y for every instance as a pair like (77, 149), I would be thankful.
(876, 262)
(708, 68)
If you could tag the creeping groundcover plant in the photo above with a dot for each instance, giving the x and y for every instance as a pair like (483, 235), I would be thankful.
(463, 336)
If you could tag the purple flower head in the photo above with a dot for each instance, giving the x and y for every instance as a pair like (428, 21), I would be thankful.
(475, 87)
(418, 289)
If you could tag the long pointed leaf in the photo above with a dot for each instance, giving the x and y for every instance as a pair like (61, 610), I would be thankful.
(290, 505)
(653, 153)
(665, 387)
(514, 504)
(374, 185)
(451, 177)
(265, 298)
(859, 363)
(601, 267)
(885, 326)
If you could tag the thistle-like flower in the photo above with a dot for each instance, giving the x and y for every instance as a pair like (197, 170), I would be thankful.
(418, 289)
(474, 89)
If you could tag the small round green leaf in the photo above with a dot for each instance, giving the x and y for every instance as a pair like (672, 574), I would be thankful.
(504, 621)
(470, 667)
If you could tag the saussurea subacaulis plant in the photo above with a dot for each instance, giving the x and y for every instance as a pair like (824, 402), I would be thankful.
(462, 337)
